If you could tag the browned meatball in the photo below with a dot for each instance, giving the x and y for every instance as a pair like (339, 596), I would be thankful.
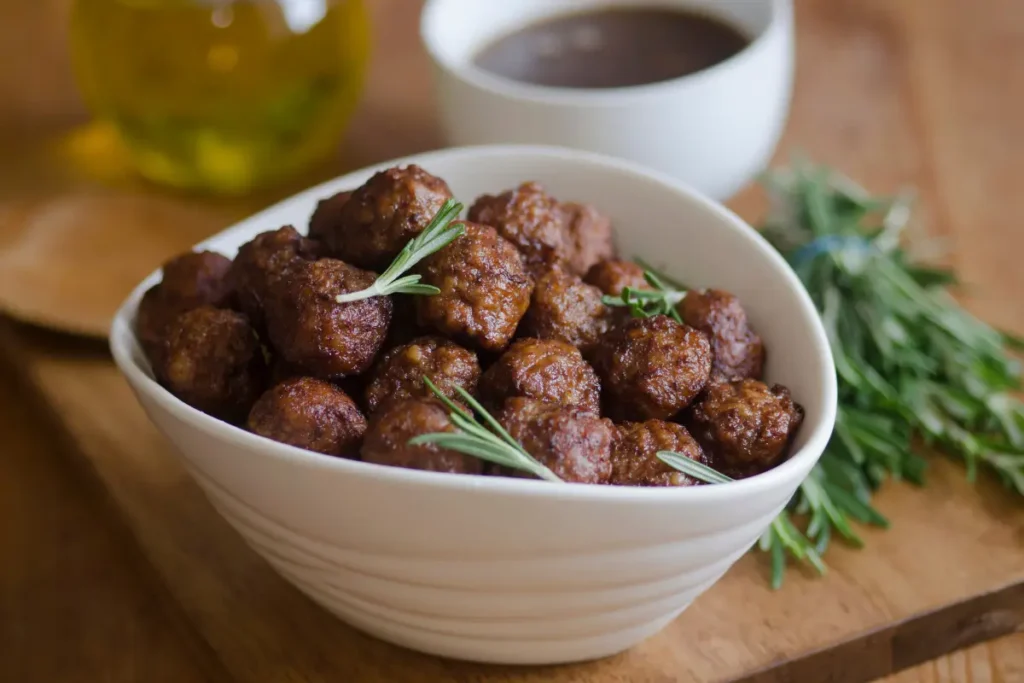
(387, 440)
(589, 234)
(317, 334)
(382, 215)
(309, 413)
(198, 276)
(261, 261)
(327, 215)
(190, 280)
(281, 371)
(214, 362)
(573, 443)
(652, 367)
(399, 373)
(153, 320)
(543, 369)
(744, 426)
(612, 276)
(565, 309)
(484, 289)
(737, 352)
(635, 459)
(529, 218)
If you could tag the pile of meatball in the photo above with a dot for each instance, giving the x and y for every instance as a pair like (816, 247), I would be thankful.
(519, 323)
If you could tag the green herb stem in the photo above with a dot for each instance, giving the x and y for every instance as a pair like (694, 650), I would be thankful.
(491, 442)
(661, 299)
(439, 233)
(910, 361)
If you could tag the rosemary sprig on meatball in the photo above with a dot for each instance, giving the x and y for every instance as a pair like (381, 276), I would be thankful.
(644, 303)
(491, 443)
(437, 235)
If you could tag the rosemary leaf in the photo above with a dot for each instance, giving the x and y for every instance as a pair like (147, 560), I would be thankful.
(491, 442)
(643, 303)
(910, 361)
(691, 467)
(439, 233)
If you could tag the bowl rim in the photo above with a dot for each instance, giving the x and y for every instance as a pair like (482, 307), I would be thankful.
(124, 348)
(470, 74)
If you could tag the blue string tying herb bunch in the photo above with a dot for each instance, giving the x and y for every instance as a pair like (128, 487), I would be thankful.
(910, 361)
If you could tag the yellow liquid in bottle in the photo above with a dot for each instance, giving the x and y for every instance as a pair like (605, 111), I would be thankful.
(222, 95)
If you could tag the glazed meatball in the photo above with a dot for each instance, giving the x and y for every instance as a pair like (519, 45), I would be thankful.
(612, 276)
(214, 362)
(532, 220)
(198, 276)
(565, 309)
(542, 369)
(327, 215)
(652, 367)
(382, 216)
(399, 373)
(309, 413)
(313, 332)
(573, 443)
(190, 280)
(282, 371)
(261, 261)
(484, 289)
(387, 440)
(153, 320)
(743, 426)
(737, 352)
(635, 459)
(589, 234)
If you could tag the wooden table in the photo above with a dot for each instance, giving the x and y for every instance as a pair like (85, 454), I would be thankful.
(894, 91)
(80, 603)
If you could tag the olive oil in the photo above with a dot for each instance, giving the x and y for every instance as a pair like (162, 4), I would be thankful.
(222, 95)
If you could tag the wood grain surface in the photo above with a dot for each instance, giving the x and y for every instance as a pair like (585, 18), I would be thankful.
(949, 574)
(895, 92)
(78, 602)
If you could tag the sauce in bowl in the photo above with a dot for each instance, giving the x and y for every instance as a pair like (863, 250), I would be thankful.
(612, 48)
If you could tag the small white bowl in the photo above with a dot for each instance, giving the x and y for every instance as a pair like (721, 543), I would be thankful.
(714, 130)
(513, 570)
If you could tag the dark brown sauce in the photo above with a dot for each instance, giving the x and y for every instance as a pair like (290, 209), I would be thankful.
(612, 48)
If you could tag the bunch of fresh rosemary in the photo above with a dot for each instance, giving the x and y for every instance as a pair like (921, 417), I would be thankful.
(910, 361)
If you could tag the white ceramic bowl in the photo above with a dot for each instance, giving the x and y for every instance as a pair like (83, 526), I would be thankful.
(513, 570)
(715, 129)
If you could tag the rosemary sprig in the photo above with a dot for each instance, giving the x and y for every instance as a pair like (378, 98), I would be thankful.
(437, 235)
(692, 468)
(661, 299)
(781, 537)
(910, 361)
(493, 445)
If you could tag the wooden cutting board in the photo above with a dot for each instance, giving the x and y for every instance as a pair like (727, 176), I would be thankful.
(893, 92)
(949, 573)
